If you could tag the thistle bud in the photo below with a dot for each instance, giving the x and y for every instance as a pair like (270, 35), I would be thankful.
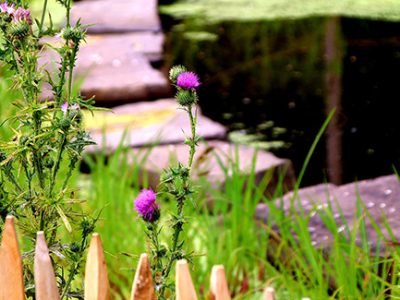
(186, 97)
(19, 30)
(75, 247)
(74, 34)
(48, 162)
(65, 124)
(175, 72)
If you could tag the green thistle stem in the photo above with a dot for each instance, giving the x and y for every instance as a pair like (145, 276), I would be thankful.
(179, 221)
(68, 10)
(71, 68)
(38, 166)
(71, 168)
(42, 18)
(193, 143)
(61, 82)
(70, 278)
(158, 254)
(57, 163)
(178, 228)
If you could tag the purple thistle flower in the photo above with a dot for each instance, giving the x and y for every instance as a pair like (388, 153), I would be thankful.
(4, 7)
(22, 14)
(187, 80)
(146, 206)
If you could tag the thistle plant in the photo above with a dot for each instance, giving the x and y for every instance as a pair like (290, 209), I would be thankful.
(36, 165)
(175, 185)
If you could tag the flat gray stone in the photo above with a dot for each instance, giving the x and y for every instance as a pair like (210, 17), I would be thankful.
(379, 197)
(146, 123)
(117, 68)
(117, 15)
(207, 166)
(150, 44)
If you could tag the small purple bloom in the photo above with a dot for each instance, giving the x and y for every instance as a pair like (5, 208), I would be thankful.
(4, 7)
(187, 80)
(22, 15)
(64, 107)
(146, 206)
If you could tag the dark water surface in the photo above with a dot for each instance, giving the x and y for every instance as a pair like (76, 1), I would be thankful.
(267, 78)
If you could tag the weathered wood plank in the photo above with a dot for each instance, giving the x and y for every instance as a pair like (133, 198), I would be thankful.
(218, 285)
(97, 286)
(269, 294)
(143, 287)
(183, 281)
(11, 274)
(45, 281)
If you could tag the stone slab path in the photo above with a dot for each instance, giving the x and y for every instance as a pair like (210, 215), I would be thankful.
(117, 16)
(124, 41)
(379, 197)
(147, 123)
(206, 164)
(117, 68)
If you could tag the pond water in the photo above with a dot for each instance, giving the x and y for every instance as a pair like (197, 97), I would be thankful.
(266, 79)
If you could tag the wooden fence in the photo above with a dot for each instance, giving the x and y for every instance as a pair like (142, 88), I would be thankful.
(96, 279)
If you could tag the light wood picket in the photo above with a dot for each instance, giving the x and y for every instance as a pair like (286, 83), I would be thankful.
(143, 287)
(183, 282)
(11, 273)
(45, 281)
(96, 279)
(218, 285)
(269, 294)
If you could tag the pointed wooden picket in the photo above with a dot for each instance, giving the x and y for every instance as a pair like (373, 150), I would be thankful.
(45, 281)
(11, 274)
(218, 285)
(143, 287)
(269, 294)
(97, 286)
(183, 281)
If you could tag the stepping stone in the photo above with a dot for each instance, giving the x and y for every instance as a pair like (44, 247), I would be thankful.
(148, 43)
(146, 123)
(117, 68)
(112, 16)
(207, 166)
(380, 196)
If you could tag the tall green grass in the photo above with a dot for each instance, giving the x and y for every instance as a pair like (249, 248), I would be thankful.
(110, 189)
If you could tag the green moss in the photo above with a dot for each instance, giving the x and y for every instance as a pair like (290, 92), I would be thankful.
(213, 11)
